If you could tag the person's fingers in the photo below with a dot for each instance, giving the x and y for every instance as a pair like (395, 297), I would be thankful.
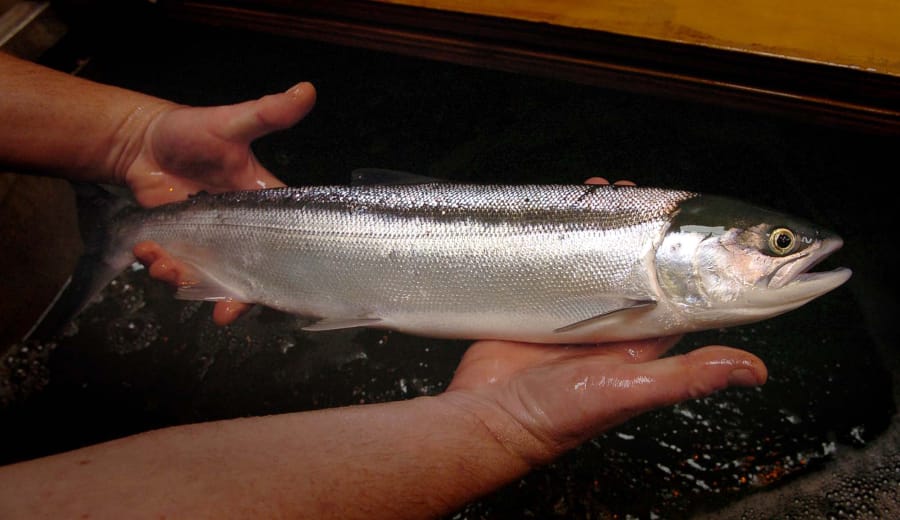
(552, 407)
(227, 311)
(252, 119)
(638, 388)
(603, 180)
(166, 268)
(638, 351)
(489, 362)
(159, 264)
(563, 406)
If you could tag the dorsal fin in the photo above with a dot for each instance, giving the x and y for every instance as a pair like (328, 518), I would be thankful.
(370, 176)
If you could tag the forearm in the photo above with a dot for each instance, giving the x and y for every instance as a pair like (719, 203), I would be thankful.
(58, 124)
(413, 459)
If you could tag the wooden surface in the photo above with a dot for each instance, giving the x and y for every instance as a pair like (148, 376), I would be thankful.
(864, 34)
(825, 62)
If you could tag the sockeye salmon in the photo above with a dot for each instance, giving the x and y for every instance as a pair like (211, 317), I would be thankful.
(534, 263)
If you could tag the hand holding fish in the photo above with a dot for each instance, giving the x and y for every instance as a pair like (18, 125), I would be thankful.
(510, 407)
(184, 150)
(545, 399)
(74, 128)
(542, 400)
(162, 150)
(165, 268)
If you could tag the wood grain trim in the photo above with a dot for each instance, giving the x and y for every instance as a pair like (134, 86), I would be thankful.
(825, 94)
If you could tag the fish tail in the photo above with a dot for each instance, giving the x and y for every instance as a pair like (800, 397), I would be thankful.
(104, 257)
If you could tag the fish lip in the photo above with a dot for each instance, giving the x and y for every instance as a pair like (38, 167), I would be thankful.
(797, 270)
(804, 288)
(793, 285)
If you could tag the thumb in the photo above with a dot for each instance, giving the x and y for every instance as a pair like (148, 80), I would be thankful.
(252, 119)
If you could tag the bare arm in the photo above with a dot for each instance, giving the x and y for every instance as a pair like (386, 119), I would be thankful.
(510, 408)
(409, 459)
(55, 123)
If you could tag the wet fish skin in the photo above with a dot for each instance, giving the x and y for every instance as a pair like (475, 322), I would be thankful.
(536, 263)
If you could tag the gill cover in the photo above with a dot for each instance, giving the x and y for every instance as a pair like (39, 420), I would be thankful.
(721, 255)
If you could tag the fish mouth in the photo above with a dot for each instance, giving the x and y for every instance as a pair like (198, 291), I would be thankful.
(794, 283)
(797, 270)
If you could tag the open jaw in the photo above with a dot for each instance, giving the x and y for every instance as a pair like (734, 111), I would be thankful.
(793, 284)
(797, 269)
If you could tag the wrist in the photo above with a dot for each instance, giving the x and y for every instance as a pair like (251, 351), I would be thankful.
(131, 138)
(66, 126)
(519, 444)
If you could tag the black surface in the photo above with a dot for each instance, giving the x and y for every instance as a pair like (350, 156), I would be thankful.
(141, 360)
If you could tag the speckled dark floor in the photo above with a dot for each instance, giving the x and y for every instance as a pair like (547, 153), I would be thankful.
(819, 439)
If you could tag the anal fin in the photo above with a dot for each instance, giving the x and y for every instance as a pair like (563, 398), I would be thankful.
(341, 323)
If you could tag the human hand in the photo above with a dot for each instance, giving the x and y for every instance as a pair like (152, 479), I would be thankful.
(539, 401)
(185, 150)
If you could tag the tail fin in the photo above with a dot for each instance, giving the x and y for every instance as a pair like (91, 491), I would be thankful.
(98, 208)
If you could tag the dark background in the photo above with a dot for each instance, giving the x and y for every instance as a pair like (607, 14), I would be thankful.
(820, 438)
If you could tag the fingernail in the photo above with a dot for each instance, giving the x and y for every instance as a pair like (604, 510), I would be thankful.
(296, 90)
(742, 377)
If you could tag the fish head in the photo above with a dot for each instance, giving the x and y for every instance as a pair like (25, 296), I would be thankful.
(724, 262)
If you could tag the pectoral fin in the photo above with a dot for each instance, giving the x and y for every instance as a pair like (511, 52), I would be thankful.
(625, 306)
(341, 323)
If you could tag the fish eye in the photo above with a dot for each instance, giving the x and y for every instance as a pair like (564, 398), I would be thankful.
(782, 241)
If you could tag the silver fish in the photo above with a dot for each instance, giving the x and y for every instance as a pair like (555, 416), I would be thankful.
(534, 263)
